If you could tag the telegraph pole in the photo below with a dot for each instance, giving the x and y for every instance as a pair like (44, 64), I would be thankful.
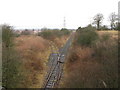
(119, 12)
(118, 26)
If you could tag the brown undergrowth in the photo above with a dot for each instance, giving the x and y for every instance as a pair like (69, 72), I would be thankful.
(94, 66)
(34, 52)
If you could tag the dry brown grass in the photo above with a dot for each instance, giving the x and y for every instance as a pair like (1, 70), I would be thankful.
(112, 33)
(59, 42)
(31, 43)
(34, 52)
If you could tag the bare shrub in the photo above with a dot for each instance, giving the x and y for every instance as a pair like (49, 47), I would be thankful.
(92, 67)
(34, 51)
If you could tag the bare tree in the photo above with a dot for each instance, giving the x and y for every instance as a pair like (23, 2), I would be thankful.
(98, 20)
(112, 19)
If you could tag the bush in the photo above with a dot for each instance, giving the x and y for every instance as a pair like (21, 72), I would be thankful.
(47, 34)
(65, 31)
(10, 60)
(34, 52)
(86, 37)
(52, 34)
(7, 36)
(89, 27)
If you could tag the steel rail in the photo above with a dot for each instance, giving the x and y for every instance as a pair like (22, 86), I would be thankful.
(58, 67)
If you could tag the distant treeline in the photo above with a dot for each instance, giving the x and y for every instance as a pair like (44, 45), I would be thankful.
(102, 28)
(50, 34)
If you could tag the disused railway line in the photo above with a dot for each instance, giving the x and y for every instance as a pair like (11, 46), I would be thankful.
(56, 67)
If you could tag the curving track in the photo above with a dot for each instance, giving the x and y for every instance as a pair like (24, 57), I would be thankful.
(56, 62)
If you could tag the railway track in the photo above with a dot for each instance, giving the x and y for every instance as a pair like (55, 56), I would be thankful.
(56, 63)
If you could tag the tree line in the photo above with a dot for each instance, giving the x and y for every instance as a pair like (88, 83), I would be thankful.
(113, 19)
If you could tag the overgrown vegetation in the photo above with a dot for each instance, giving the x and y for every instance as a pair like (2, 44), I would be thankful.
(34, 51)
(58, 37)
(25, 57)
(51, 34)
(92, 65)
(86, 37)
(11, 74)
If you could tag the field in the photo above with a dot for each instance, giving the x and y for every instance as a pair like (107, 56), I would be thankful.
(114, 33)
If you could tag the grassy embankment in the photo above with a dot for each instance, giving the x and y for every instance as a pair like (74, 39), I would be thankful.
(92, 61)
(34, 52)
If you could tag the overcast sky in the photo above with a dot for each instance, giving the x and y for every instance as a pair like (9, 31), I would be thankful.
(50, 13)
